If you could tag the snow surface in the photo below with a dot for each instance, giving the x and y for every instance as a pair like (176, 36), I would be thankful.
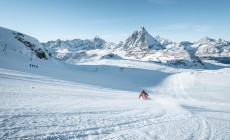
(100, 100)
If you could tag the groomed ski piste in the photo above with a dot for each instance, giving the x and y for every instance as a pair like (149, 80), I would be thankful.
(100, 100)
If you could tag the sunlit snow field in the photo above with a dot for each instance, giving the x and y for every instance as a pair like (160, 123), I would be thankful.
(100, 101)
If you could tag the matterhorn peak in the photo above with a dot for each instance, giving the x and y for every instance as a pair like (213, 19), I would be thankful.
(143, 31)
(142, 28)
(142, 40)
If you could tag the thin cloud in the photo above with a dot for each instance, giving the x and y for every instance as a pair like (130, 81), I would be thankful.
(202, 28)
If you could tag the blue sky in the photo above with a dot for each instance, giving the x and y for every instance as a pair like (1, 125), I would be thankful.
(115, 20)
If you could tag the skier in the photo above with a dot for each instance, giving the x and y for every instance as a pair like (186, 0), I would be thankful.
(4, 49)
(144, 95)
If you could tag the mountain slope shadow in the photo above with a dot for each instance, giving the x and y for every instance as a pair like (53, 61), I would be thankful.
(120, 78)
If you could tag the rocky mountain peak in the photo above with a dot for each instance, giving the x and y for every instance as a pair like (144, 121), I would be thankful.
(142, 40)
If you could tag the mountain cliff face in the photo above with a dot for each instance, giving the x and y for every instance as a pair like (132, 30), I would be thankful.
(12, 41)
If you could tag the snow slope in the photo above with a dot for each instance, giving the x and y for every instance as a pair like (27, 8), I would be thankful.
(100, 100)
(21, 43)
(49, 99)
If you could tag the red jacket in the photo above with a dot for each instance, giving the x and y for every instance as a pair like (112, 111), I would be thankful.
(144, 95)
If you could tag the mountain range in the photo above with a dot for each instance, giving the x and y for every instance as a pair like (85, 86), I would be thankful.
(140, 45)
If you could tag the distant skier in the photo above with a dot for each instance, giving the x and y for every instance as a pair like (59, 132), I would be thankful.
(144, 95)
(4, 49)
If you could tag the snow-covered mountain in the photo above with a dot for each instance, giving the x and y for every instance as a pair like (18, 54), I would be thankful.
(140, 45)
(78, 44)
(12, 41)
(142, 40)
(164, 41)
(207, 47)
(77, 50)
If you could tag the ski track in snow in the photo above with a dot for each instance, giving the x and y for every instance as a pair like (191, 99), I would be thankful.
(40, 107)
